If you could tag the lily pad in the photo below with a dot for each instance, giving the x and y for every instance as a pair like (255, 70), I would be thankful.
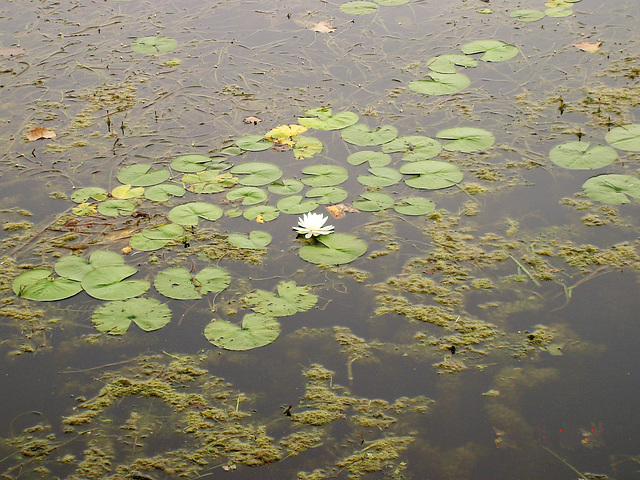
(189, 213)
(306, 147)
(440, 84)
(334, 249)
(209, 181)
(375, 159)
(140, 175)
(115, 318)
(432, 174)
(380, 177)
(39, 284)
(626, 137)
(248, 195)
(212, 279)
(295, 205)
(373, 202)
(527, 15)
(492, 50)
(153, 45)
(255, 239)
(289, 299)
(359, 134)
(392, 3)
(559, 11)
(286, 186)
(256, 331)
(113, 208)
(256, 173)
(327, 195)
(83, 194)
(414, 206)
(194, 163)
(326, 121)
(466, 139)
(358, 7)
(176, 283)
(75, 267)
(415, 148)
(155, 238)
(108, 283)
(265, 213)
(447, 63)
(124, 192)
(164, 191)
(324, 175)
(581, 156)
(254, 143)
(612, 189)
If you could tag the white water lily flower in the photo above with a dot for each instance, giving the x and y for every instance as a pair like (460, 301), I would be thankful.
(312, 224)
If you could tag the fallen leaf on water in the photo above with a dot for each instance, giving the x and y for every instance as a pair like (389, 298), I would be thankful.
(339, 210)
(40, 132)
(259, 218)
(323, 27)
(126, 250)
(252, 119)
(591, 47)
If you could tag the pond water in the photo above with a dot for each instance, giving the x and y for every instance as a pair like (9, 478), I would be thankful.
(473, 316)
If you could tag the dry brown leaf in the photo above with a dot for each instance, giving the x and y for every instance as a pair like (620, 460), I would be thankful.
(252, 119)
(591, 47)
(259, 218)
(40, 132)
(323, 27)
(127, 250)
(340, 210)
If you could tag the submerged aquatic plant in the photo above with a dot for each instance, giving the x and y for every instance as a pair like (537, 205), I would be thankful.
(313, 224)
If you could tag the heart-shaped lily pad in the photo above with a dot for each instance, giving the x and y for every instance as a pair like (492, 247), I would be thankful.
(492, 50)
(265, 213)
(256, 173)
(466, 139)
(155, 238)
(255, 239)
(359, 134)
(194, 163)
(306, 147)
(38, 284)
(164, 191)
(612, 189)
(108, 283)
(334, 249)
(115, 318)
(626, 137)
(248, 195)
(141, 175)
(415, 148)
(115, 207)
(327, 195)
(189, 213)
(75, 267)
(527, 15)
(83, 194)
(253, 143)
(289, 299)
(447, 63)
(326, 121)
(380, 177)
(440, 84)
(295, 205)
(358, 7)
(432, 174)
(414, 206)
(581, 156)
(373, 201)
(153, 45)
(256, 331)
(286, 186)
(375, 159)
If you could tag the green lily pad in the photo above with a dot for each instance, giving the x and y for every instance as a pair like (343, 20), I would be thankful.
(373, 202)
(256, 174)
(380, 177)
(326, 121)
(256, 331)
(392, 3)
(432, 174)
(194, 163)
(358, 7)
(209, 181)
(375, 159)
(153, 45)
(164, 191)
(492, 50)
(212, 279)
(612, 189)
(75, 267)
(466, 139)
(255, 239)
(84, 194)
(527, 15)
(415, 148)
(189, 213)
(558, 12)
(359, 134)
(327, 195)
(113, 208)
(580, 156)
(626, 137)
(414, 206)
(176, 283)
(38, 284)
(289, 299)
(254, 143)
(124, 192)
(155, 238)
(306, 147)
(324, 175)
(447, 63)
(248, 195)
(295, 205)
(266, 213)
(140, 175)
(286, 186)
(115, 318)
(108, 283)
(440, 84)
(334, 249)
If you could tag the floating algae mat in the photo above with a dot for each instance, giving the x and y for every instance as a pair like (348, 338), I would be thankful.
(465, 182)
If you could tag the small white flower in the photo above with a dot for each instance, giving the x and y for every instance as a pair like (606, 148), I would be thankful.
(312, 224)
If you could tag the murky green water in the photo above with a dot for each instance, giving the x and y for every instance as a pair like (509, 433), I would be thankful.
(493, 337)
